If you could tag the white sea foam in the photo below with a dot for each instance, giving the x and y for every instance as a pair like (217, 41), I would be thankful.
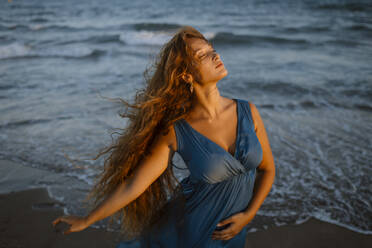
(37, 27)
(20, 50)
(57, 197)
(209, 35)
(85, 177)
(145, 37)
(326, 218)
(14, 50)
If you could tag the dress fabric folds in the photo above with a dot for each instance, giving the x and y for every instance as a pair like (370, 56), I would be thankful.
(219, 185)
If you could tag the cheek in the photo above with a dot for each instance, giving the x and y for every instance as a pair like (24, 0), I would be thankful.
(207, 72)
(203, 74)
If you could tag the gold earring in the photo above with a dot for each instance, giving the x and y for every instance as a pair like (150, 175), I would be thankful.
(191, 87)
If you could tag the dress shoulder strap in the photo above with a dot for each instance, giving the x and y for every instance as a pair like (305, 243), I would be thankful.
(181, 137)
(247, 110)
(180, 131)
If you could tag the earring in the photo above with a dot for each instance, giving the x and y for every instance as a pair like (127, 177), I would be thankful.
(191, 87)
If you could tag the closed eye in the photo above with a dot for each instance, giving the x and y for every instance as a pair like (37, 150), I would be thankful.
(213, 51)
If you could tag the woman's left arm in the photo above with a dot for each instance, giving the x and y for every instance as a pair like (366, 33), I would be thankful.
(265, 171)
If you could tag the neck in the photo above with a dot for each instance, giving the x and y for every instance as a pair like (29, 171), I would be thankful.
(206, 102)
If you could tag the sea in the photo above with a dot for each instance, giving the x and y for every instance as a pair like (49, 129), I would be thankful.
(306, 65)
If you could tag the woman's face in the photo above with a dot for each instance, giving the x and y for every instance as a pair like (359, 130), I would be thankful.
(207, 61)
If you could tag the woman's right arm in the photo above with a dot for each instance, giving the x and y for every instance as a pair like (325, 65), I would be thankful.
(149, 169)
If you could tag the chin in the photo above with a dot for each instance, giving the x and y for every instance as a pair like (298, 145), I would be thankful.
(224, 74)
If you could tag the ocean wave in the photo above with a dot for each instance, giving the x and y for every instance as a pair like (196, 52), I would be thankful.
(145, 37)
(60, 28)
(281, 88)
(314, 104)
(14, 50)
(96, 39)
(95, 53)
(104, 39)
(304, 104)
(39, 19)
(6, 86)
(340, 42)
(355, 96)
(19, 51)
(45, 27)
(360, 7)
(155, 35)
(361, 88)
(307, 29)
(127, 37)
(4, 27)
(155, 26)
(359, 27)
(326, 28)
(24, 6)
(23, 123)
(230, 38)
(363, 107)
(42, 26)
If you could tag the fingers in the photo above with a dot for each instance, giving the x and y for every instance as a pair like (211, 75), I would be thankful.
(222, 236)
(67, 232)
(56, 221)
(65, 218)
(60, 220)
(224, 222)
(225, 234)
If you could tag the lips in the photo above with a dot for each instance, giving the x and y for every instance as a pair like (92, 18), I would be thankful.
(219, 64)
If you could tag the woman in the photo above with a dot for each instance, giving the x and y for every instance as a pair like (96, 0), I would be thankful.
(222, 141)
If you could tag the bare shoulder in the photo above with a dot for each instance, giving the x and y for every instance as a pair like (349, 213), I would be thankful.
(230, 103)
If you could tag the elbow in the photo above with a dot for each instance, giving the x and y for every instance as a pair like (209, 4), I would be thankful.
(267, 166)
(268, 175)
(268, 169)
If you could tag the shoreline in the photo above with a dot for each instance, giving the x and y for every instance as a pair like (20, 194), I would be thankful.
(28, 213)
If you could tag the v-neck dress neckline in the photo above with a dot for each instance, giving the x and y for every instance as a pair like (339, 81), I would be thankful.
(214, 143)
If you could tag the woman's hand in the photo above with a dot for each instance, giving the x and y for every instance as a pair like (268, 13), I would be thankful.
(237, 223)
(76, 223)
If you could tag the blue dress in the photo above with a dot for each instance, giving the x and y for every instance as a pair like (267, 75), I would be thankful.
(219, 185)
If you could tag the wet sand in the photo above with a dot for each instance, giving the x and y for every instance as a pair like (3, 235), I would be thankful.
(26, 221)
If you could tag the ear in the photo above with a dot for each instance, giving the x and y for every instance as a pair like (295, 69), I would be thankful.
(187, 77)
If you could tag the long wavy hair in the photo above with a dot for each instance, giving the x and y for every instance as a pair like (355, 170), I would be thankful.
(165, 99)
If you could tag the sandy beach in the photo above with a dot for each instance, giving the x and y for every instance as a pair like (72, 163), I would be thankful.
(26, 221)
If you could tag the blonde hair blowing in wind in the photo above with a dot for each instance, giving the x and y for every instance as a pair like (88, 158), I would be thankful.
(165, 98)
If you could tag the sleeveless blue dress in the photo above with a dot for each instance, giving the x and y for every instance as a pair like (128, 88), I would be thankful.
(219, 185)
